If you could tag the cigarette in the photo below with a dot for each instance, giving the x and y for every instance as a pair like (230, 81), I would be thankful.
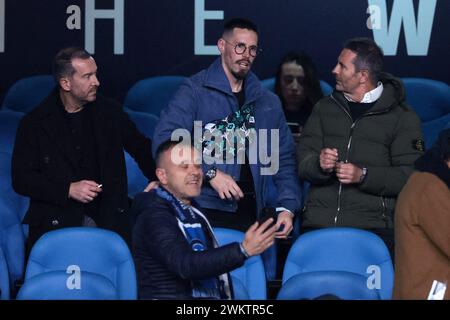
(100, 185)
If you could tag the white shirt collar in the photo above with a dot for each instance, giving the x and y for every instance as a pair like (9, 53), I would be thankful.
(370, 96)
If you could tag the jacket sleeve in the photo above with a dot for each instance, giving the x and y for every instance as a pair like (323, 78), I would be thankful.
(286, 179)
(165, 242)
(404, 151)
(26, 169)
(309, 147)
(179, 114)
(138, 146)
(434, 216)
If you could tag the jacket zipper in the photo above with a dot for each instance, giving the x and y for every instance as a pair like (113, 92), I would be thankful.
(349, 144)
(383, 213)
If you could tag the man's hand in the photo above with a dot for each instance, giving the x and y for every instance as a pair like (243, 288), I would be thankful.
(284, 219)
(259, 237)
(152, 185)
(84, 191)
(348, 173)
(328, 158)
(226, 187)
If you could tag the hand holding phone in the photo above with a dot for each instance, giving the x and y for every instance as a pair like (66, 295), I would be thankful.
(266, 214)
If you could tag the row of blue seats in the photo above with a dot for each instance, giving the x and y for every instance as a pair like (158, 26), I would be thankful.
(92, 263)
(13, 206)
(429, 98)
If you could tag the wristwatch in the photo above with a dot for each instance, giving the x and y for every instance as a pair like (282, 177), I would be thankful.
(210, 174)
(364, 174)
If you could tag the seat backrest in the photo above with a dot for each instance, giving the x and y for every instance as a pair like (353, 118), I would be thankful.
(341, 284)
(136, 179)
(151, 95)
(432, 128)
(17, 203)
(60, 285)
(251, 274)
(269, 84)
(326, 88)
(429, 98)
(12, 241)
(92, 250)
(27, 93)
(146, 124)
(239, 289)
(9, 121)
(4, 279)
(342, 249)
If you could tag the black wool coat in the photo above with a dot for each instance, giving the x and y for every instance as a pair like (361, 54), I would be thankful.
(43, 166)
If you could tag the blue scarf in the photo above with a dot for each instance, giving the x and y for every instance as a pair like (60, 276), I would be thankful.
(191, 224)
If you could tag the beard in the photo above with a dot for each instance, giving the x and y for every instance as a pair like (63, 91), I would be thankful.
(241, 73)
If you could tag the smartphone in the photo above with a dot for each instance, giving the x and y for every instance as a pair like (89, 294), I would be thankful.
(266, 214)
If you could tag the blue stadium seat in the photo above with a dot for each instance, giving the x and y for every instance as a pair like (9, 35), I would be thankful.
(251, 274)
(269, 84)
(151, 95)
(12, 210)
(12, 242)
(9, 121)
(239, 289)
(93, 250)
(58, 285)
(342, 249)
(341, 284)
(431, 101)
(4, 279)
(17, 203)
(326, 88)
(27, 93)
(146, 124)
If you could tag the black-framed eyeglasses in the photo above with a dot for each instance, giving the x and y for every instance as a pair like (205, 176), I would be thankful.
(240, 48)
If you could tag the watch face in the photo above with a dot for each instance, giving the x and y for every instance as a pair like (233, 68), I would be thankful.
(211, 173)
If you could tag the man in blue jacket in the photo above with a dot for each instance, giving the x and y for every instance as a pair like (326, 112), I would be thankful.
(228, 97)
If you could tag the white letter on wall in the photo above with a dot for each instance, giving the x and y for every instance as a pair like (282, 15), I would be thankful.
(117, 14)
(199, 28)
(2, 25)
(417, 33)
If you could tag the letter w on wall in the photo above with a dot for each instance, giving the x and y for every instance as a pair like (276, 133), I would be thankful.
(417, 34)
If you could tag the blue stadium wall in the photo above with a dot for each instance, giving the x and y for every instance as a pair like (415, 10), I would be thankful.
(135, 39)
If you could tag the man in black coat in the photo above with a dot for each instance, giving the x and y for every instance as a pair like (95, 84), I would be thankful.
(68, 155)
(174, 248)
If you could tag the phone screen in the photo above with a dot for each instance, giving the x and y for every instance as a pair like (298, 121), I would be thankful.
(266, 214)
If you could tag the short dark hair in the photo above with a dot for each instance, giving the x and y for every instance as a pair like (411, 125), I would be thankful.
(313, 91)
(240, 23)
(167, 145)
(62, 63)
(369, 56)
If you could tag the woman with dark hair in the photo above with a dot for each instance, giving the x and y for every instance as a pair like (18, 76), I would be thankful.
(298, 88)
